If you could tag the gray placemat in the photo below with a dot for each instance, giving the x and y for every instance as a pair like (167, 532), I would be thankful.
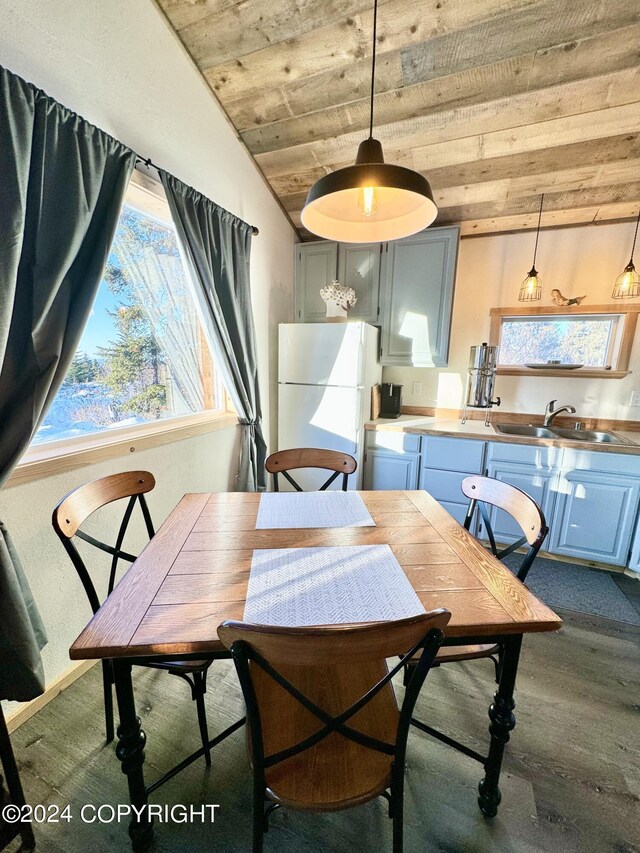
(328, 586)
(312, 509)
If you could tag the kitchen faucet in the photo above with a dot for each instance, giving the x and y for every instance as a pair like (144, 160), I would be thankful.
(550, 412)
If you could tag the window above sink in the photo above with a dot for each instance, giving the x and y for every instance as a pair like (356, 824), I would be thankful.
(593, 342)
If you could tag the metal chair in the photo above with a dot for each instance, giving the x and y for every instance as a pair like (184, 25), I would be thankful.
(68, 516)
(310, 457)
(483, 492)
(324, 727)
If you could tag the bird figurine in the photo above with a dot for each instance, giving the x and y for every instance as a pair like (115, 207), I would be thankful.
(559, 299)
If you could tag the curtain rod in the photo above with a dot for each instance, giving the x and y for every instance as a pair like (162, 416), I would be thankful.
(147, 161)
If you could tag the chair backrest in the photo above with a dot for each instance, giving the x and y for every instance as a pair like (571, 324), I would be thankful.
(483, 491)
(74, 509)
(310, 457)
(303, 684)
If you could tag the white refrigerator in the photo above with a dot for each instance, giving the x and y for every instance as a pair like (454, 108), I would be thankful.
(325, 375)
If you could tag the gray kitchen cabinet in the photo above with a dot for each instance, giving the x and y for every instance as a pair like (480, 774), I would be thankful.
(535, 470)
(596, 507)
(445, 463)
(356, 265)
(392, 460)
(359, 268)
(316, 265)
(634, 557)
(590, 499)
(417, 298)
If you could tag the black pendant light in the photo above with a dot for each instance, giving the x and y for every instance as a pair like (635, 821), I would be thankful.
(531, 287)
(372, 201)
(627, 284)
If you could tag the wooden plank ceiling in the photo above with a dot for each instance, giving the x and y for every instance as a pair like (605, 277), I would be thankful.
(495, 101)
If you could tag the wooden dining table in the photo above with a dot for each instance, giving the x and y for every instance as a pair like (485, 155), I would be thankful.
(194, 574)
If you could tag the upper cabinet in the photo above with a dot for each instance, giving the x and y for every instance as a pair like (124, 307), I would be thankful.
(316, 266)
(406, 287)
(359, 268)
(356, 265)
(418, 298)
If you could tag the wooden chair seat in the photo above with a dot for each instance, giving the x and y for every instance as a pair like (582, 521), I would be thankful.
(453, 653)
(181, 665)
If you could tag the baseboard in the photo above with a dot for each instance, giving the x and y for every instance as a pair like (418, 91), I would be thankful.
(56, 687)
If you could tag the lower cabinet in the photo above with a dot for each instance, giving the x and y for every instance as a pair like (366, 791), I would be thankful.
(590, 499)
(445, 463)
(532, 469)
(391, 461)
(596, 507)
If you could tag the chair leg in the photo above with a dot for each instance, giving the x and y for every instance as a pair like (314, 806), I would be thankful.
(200, 679)
(397, 815)
(107, 684)
(258, 819)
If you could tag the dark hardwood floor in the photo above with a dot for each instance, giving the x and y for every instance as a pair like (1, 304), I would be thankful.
(571, 780)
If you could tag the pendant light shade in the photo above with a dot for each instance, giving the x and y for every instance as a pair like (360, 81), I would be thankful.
(531, 287)
(372, 201)
(627, 284)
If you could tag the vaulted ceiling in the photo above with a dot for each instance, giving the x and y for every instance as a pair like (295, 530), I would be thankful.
(495, 101)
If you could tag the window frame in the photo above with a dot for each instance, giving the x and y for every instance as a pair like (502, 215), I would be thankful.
(620, 350)
(54, 457)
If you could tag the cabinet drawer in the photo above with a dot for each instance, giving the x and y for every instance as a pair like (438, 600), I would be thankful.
(391, 470)
(443, 485)
(452, 454)
(541, 457)
(593, 460)
(398, 442)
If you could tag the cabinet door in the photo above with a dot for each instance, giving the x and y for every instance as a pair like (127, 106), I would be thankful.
(418, 298)
(538, 483)
(594, 516)
(391, 470)
(634, 558)
(359, 268)
(316, 266)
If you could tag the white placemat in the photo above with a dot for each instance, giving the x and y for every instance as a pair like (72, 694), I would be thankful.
(312, 509)
(328, 586)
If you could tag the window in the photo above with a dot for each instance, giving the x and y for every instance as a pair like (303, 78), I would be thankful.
(568, 339)
(143, 356)
(597, 339)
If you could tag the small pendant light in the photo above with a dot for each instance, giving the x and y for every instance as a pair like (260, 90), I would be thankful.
(372, 201)
(627, 284)
(531, 287)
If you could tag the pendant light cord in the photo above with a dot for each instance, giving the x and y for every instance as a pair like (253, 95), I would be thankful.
(373, 65)
(635, 235)
(535, 251)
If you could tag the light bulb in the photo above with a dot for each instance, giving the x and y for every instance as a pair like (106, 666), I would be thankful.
(626, 280)
(367, 200)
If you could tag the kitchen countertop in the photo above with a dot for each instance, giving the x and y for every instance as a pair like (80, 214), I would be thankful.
(477, 429)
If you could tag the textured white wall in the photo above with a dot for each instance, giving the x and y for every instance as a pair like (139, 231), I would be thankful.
(118, 64)
(490, 271)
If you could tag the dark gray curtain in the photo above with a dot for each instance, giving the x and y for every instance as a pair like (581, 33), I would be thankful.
(62, 182)
(217, 248)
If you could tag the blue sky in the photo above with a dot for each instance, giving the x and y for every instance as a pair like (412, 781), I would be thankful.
(100, 327)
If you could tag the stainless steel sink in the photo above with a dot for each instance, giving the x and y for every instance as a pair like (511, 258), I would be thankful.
(599, 437)
(525, 430)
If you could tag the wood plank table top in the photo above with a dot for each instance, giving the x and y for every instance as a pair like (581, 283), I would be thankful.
(194, 574)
